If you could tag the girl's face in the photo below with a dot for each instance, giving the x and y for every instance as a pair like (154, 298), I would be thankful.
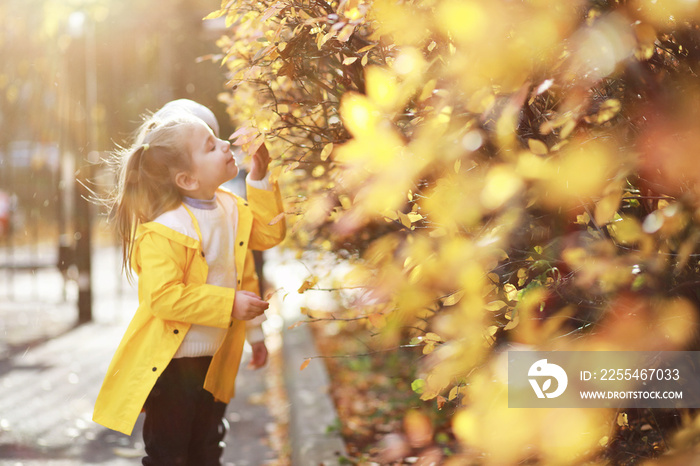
(212, 161)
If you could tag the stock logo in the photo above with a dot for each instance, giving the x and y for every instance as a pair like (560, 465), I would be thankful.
(542, 370)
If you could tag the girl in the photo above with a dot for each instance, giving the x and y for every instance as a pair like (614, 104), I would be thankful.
(186, 239)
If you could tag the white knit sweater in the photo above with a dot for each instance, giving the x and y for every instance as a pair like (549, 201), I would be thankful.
(217, 219)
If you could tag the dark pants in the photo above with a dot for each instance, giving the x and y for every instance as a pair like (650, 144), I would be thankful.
(183, 424)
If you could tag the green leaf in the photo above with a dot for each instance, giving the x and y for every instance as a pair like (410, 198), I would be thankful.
(418, 386)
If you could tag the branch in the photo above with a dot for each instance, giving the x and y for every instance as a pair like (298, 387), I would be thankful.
(358, 355)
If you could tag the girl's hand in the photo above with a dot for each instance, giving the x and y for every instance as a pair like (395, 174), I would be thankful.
(248, 306)
(259, 357)
(261, 159)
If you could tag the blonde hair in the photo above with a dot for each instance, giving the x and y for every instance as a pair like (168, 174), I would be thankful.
(146, 171)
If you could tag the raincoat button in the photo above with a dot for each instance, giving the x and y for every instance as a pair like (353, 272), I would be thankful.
(241, 243)
(155, 369)
(202, 253)
(176, 331)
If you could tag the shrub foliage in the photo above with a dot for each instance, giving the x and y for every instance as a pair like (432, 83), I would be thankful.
(498, 173)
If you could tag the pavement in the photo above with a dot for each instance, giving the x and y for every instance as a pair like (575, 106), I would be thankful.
(51, 371)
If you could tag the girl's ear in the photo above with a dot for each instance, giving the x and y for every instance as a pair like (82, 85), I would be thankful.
(185, 182)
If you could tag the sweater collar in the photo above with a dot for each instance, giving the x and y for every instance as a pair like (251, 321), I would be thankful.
(204, 204)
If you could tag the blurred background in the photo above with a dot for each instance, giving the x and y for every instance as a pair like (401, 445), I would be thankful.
(75, 77)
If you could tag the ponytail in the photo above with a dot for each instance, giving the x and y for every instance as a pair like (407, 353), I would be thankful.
(145, 185)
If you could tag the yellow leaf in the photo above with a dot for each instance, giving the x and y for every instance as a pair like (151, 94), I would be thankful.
(502, 183)
(604, 441)
(318, 171)
(214, 14)
(622, 420)
(270, 12)
(627, 231)
(481, 100)
(606, 208)
(511, 291)
(466, 426)
(359, 114)
(453, 393)
(323, 38)
(583, 219)
(607, 111)
(405, 221)
(581, 172)
(304, 364)
(265, 120)
(231, 18)
(464, 20)
(428, 90)
(453, 299)
(391, 216)
(349, 60)
(414, 217)
(537, 147)
(495, 305)
(382, 87)
(346, 32)
(306, 16)
(308, 284)
(345, 202)
(415, 275)
(326, 152)
(513, 323)
(567, 129)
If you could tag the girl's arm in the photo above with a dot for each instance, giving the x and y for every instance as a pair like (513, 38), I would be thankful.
(269, 227)
(161, 266)
(266, 205)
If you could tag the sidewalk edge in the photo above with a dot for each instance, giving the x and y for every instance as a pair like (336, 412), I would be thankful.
(313, 421)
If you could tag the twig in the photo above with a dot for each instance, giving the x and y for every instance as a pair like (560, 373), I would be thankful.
(357, 355)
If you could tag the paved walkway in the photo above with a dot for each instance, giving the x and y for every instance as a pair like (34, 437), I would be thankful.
(50, 373)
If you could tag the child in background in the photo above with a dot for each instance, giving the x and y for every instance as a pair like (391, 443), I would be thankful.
(187, 240)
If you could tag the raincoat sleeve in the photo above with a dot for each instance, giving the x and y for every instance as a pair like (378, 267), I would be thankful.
(269, 226)
(173, 287)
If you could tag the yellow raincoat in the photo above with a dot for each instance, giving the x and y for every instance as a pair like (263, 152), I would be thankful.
(173, 294)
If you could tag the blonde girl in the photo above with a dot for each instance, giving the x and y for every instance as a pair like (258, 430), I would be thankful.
(186, 239)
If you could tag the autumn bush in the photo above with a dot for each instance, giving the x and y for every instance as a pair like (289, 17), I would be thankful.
(498, 174)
